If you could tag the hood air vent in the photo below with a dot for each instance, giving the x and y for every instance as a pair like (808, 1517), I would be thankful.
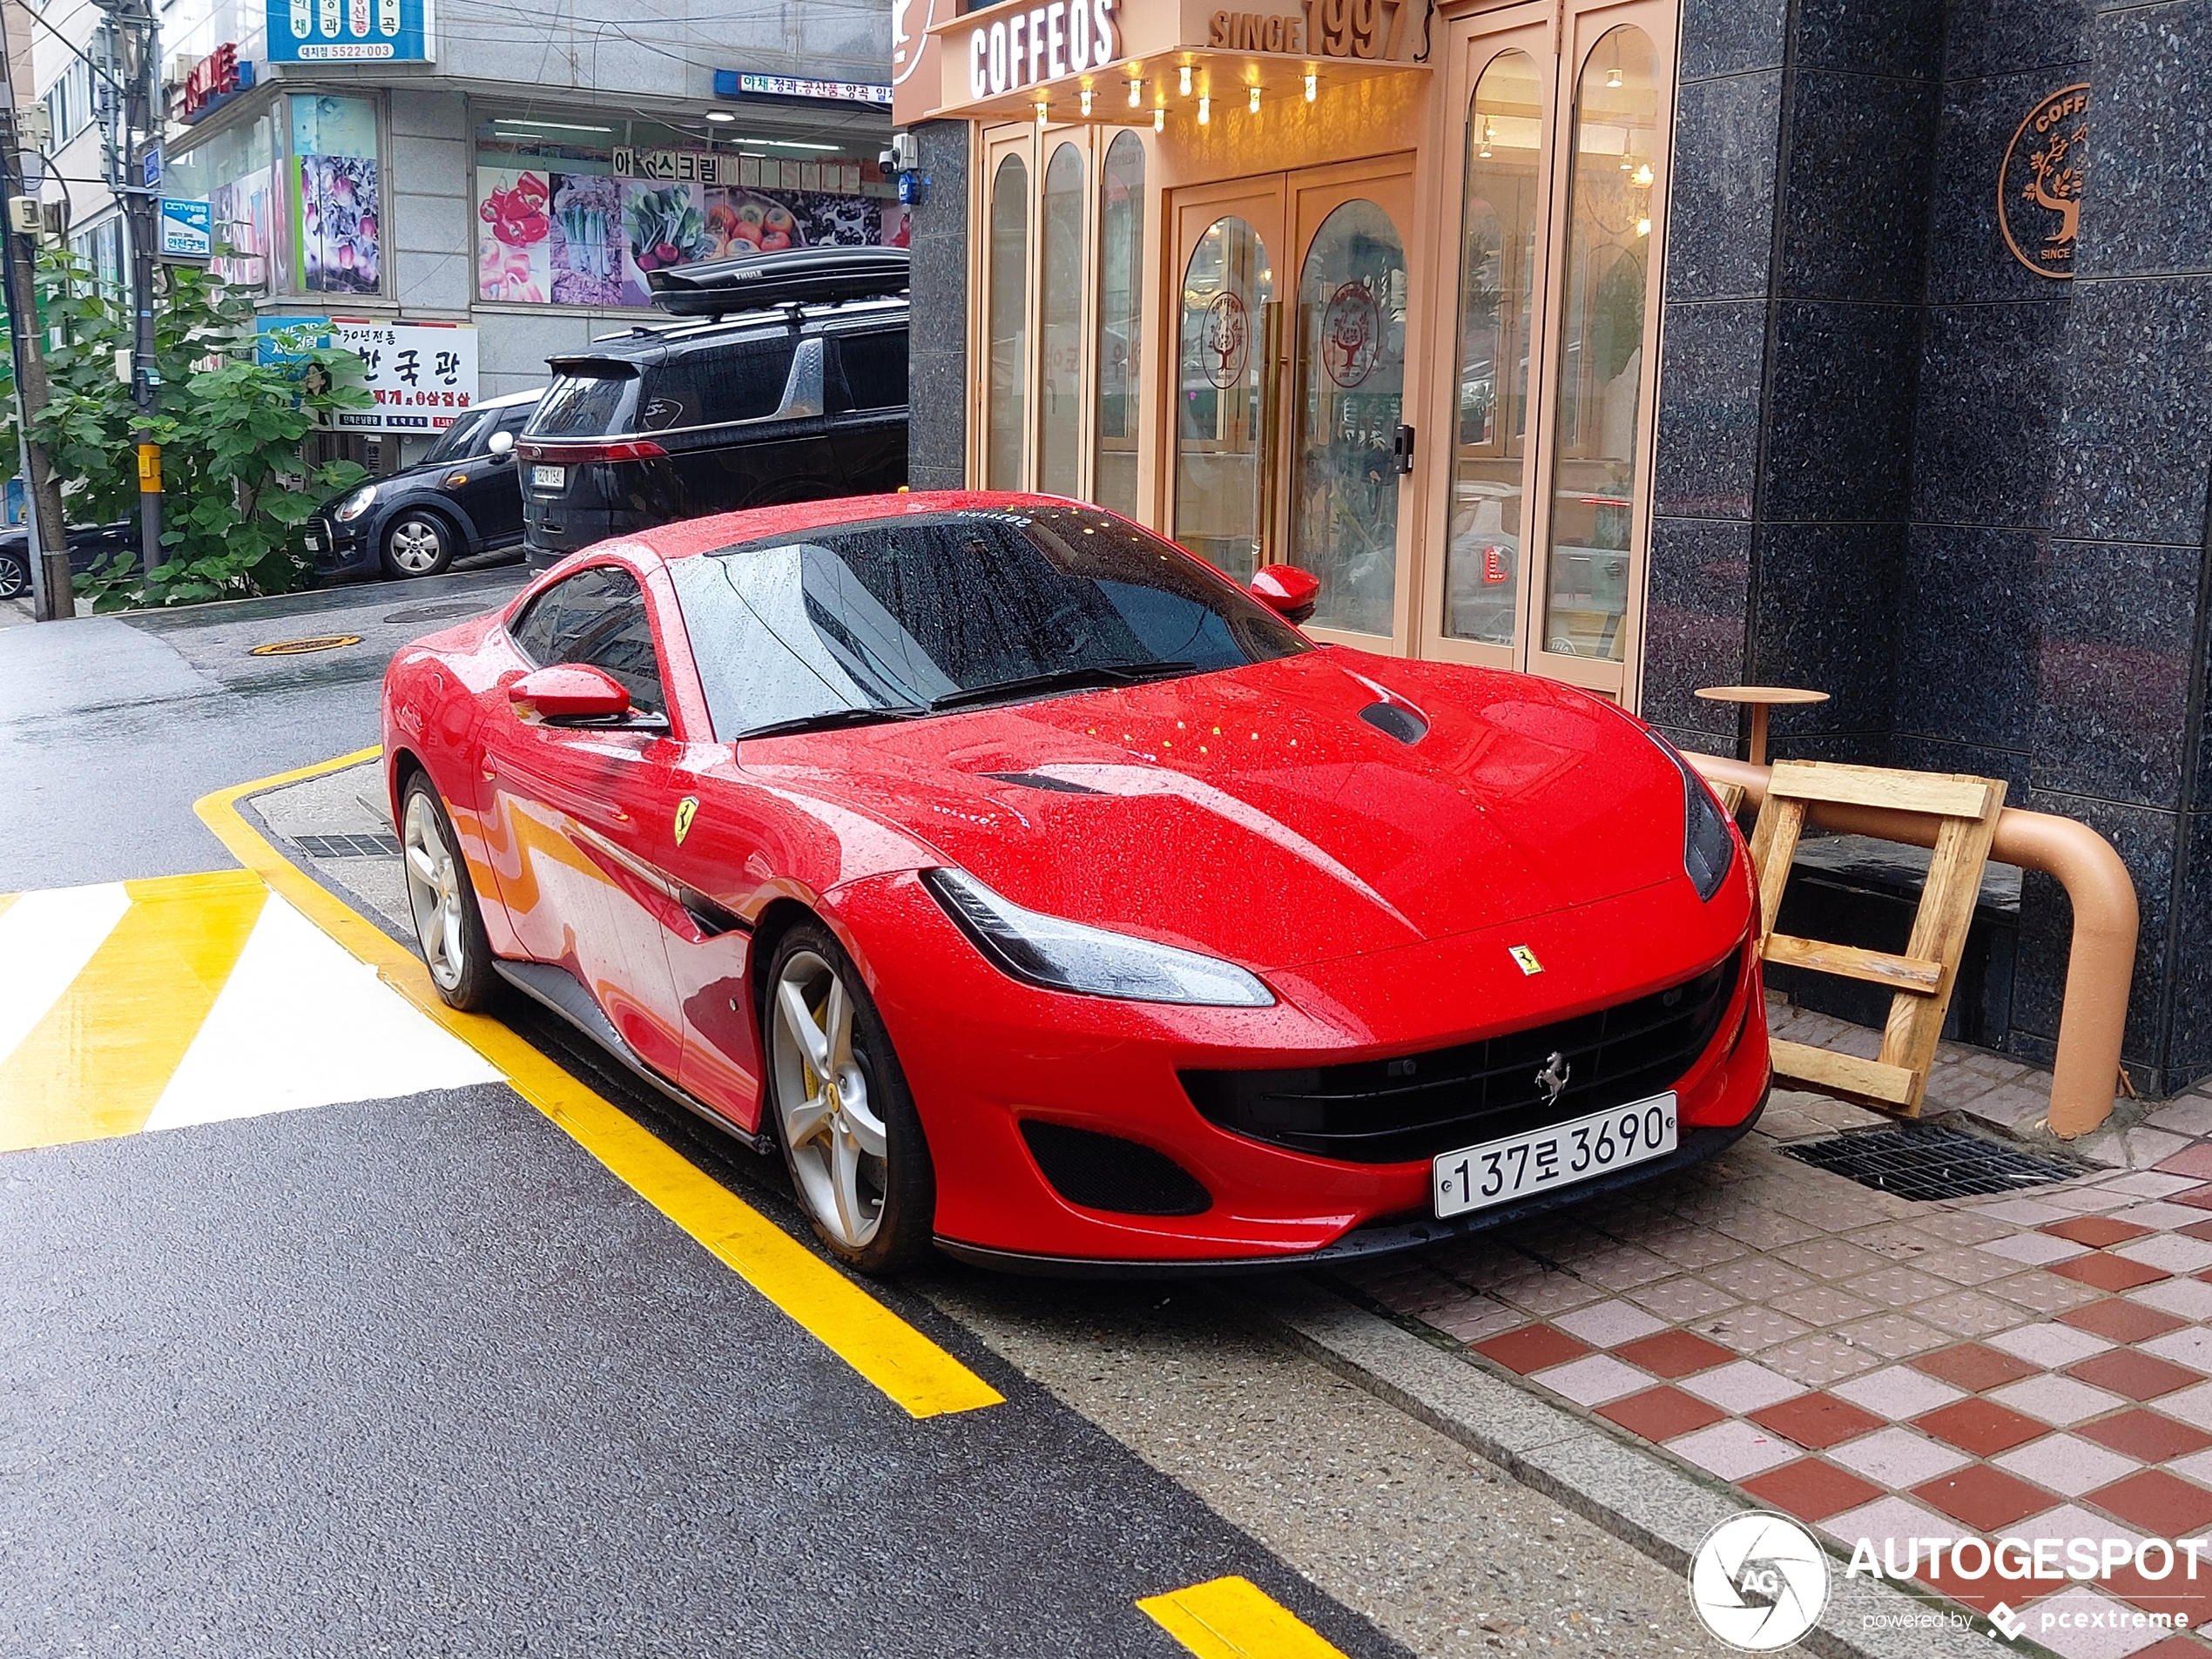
(1038, 780)
(1396, 721)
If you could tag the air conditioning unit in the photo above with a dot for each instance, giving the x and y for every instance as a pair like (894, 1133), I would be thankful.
(34, 127)
(23, 215)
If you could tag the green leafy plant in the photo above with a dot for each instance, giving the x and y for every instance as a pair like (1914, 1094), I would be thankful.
(234, 410)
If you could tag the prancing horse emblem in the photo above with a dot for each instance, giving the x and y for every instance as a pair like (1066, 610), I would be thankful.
(1551, 1082)
(686, 809)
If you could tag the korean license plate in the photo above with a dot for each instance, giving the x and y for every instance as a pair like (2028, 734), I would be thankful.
(313, 541)
(550, 477)
(1521, 1165)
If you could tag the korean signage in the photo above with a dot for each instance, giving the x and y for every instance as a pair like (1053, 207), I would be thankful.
(734, 83)
(187, 230)
(350, 31)
(421, 376)
(213, 81)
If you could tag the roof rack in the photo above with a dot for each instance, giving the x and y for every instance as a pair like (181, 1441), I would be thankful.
(796, 276)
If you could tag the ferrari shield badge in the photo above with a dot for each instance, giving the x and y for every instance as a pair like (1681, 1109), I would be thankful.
(1524, 958)
(686, 810)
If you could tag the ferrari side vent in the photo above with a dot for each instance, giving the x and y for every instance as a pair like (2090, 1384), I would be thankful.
(1395, 721)
(1106, 1172)
(1039, 780)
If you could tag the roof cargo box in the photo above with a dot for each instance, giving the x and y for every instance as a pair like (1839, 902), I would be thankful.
(799, 276)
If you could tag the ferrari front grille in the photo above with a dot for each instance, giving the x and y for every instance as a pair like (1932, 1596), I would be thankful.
(1408, 1107)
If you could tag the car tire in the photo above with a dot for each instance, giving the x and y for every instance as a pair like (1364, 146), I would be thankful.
(851, 1137)
(418, 543)
(443, 900)
(14, 577)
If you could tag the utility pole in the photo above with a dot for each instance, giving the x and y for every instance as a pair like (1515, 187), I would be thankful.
(134, 66)
(46, 534)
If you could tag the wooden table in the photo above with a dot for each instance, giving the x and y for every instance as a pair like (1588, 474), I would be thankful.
(1761, 699)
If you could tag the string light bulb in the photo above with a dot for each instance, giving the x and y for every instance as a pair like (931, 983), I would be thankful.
(1086, 100)
(1135, 94)
(1643, 227)
(1255, 101)
(1043, 109)
(1613, 77)
(1159, 120)
(1643, 175)
(1312, 86)
(1183, 81)
(1206, 109)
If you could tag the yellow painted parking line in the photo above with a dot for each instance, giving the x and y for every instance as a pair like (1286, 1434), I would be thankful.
(907, 1365)
(97, 1060)
(7, 898)
(1233, 1618)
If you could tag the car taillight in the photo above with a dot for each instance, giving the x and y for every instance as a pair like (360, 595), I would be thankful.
(576, 454)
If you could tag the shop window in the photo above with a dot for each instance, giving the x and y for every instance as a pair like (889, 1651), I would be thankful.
(1060, 326)
(1497, 281)
(337, 223)
(1009, 260)
(1612, 154)
(1218, 405)
(1121, 293)
(1344, 487)
(234, 170)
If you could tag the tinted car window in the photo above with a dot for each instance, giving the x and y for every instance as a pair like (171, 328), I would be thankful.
(740, 380)
(876, 370)
(898, 613)
(582, 406)
(596, 617)
(463, 437)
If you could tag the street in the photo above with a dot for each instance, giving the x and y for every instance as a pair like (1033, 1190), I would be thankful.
(330, 1334)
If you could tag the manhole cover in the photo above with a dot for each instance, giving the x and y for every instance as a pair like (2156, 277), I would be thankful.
(437, 613)
(1928, 1161)
(301, 647)
(347, 846)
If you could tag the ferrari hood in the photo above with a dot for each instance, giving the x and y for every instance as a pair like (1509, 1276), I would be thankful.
(1312, 807)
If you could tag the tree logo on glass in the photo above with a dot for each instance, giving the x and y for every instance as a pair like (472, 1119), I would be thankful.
(1351, 334)
(1225, 339)
(2040, 182)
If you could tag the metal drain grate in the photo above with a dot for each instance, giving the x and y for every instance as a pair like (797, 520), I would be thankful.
(1929, 1161)
(347, 846)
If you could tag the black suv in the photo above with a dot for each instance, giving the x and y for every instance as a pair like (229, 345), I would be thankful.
(459, 500)
(802, 396)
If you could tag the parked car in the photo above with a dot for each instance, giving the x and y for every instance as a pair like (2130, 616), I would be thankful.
(459, 500)
(1047, 898)
(88, 544)
(794, 399)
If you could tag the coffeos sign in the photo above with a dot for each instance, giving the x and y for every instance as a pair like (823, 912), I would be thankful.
(1044, 43)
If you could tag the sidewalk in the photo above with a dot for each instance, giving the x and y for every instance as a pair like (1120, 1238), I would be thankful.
(2029, 1364)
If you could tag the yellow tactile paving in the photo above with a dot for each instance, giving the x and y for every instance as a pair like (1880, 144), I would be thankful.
(914, 1372)
(1233, 1618)
(97, 1062)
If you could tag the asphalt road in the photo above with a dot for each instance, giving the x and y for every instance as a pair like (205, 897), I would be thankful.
(420, 1375)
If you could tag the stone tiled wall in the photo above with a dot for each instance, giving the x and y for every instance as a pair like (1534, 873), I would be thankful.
(1894, 463)
(937, 414)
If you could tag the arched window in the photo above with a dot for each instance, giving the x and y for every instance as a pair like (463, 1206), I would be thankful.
(1120, 321)
(1010, 264)
(1059, 309)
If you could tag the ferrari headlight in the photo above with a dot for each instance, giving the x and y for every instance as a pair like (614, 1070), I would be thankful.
(1068, 956)
(1708, 847)
(355, 504)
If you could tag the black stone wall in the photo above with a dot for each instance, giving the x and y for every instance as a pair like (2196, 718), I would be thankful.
(937, 365)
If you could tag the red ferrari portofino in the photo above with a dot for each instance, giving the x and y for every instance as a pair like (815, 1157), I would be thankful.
(1046, 897)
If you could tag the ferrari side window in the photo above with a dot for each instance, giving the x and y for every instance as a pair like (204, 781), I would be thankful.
(607, 628)
(534, 629)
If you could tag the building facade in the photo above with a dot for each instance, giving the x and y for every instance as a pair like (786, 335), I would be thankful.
(520, 174)
(1857, 345)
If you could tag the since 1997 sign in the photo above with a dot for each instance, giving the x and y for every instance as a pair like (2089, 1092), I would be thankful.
(350, 31)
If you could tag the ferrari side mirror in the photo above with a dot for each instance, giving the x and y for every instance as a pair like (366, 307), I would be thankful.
(1288, 591)
(569, 692)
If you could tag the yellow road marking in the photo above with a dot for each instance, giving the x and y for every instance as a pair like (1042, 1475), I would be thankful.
(97, 1062)
(1233, 1618)
(915, 1372)
(7, 898)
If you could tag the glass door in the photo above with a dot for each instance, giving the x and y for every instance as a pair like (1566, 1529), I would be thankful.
(1227, 372)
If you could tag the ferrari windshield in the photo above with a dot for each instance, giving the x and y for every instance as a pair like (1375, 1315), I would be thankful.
(902, 617)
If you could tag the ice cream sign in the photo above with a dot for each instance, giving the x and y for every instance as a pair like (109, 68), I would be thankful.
(346, 32)
(1046, 43)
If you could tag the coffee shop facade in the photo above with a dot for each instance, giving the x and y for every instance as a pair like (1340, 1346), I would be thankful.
(1864, 346)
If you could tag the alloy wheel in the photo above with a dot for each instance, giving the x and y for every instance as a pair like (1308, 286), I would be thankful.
(14, 579)
(434, 892)
(417, 545)
(837, 1143)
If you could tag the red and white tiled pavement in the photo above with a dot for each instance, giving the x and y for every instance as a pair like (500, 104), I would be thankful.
(2036, 1365)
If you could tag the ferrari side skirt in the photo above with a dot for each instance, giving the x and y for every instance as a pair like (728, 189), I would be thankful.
(557, 989)
(1382, 1239)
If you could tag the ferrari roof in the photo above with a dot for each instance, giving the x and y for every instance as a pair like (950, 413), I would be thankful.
(698, 535)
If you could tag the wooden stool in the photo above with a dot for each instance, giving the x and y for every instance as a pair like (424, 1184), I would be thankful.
(1761, 697)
